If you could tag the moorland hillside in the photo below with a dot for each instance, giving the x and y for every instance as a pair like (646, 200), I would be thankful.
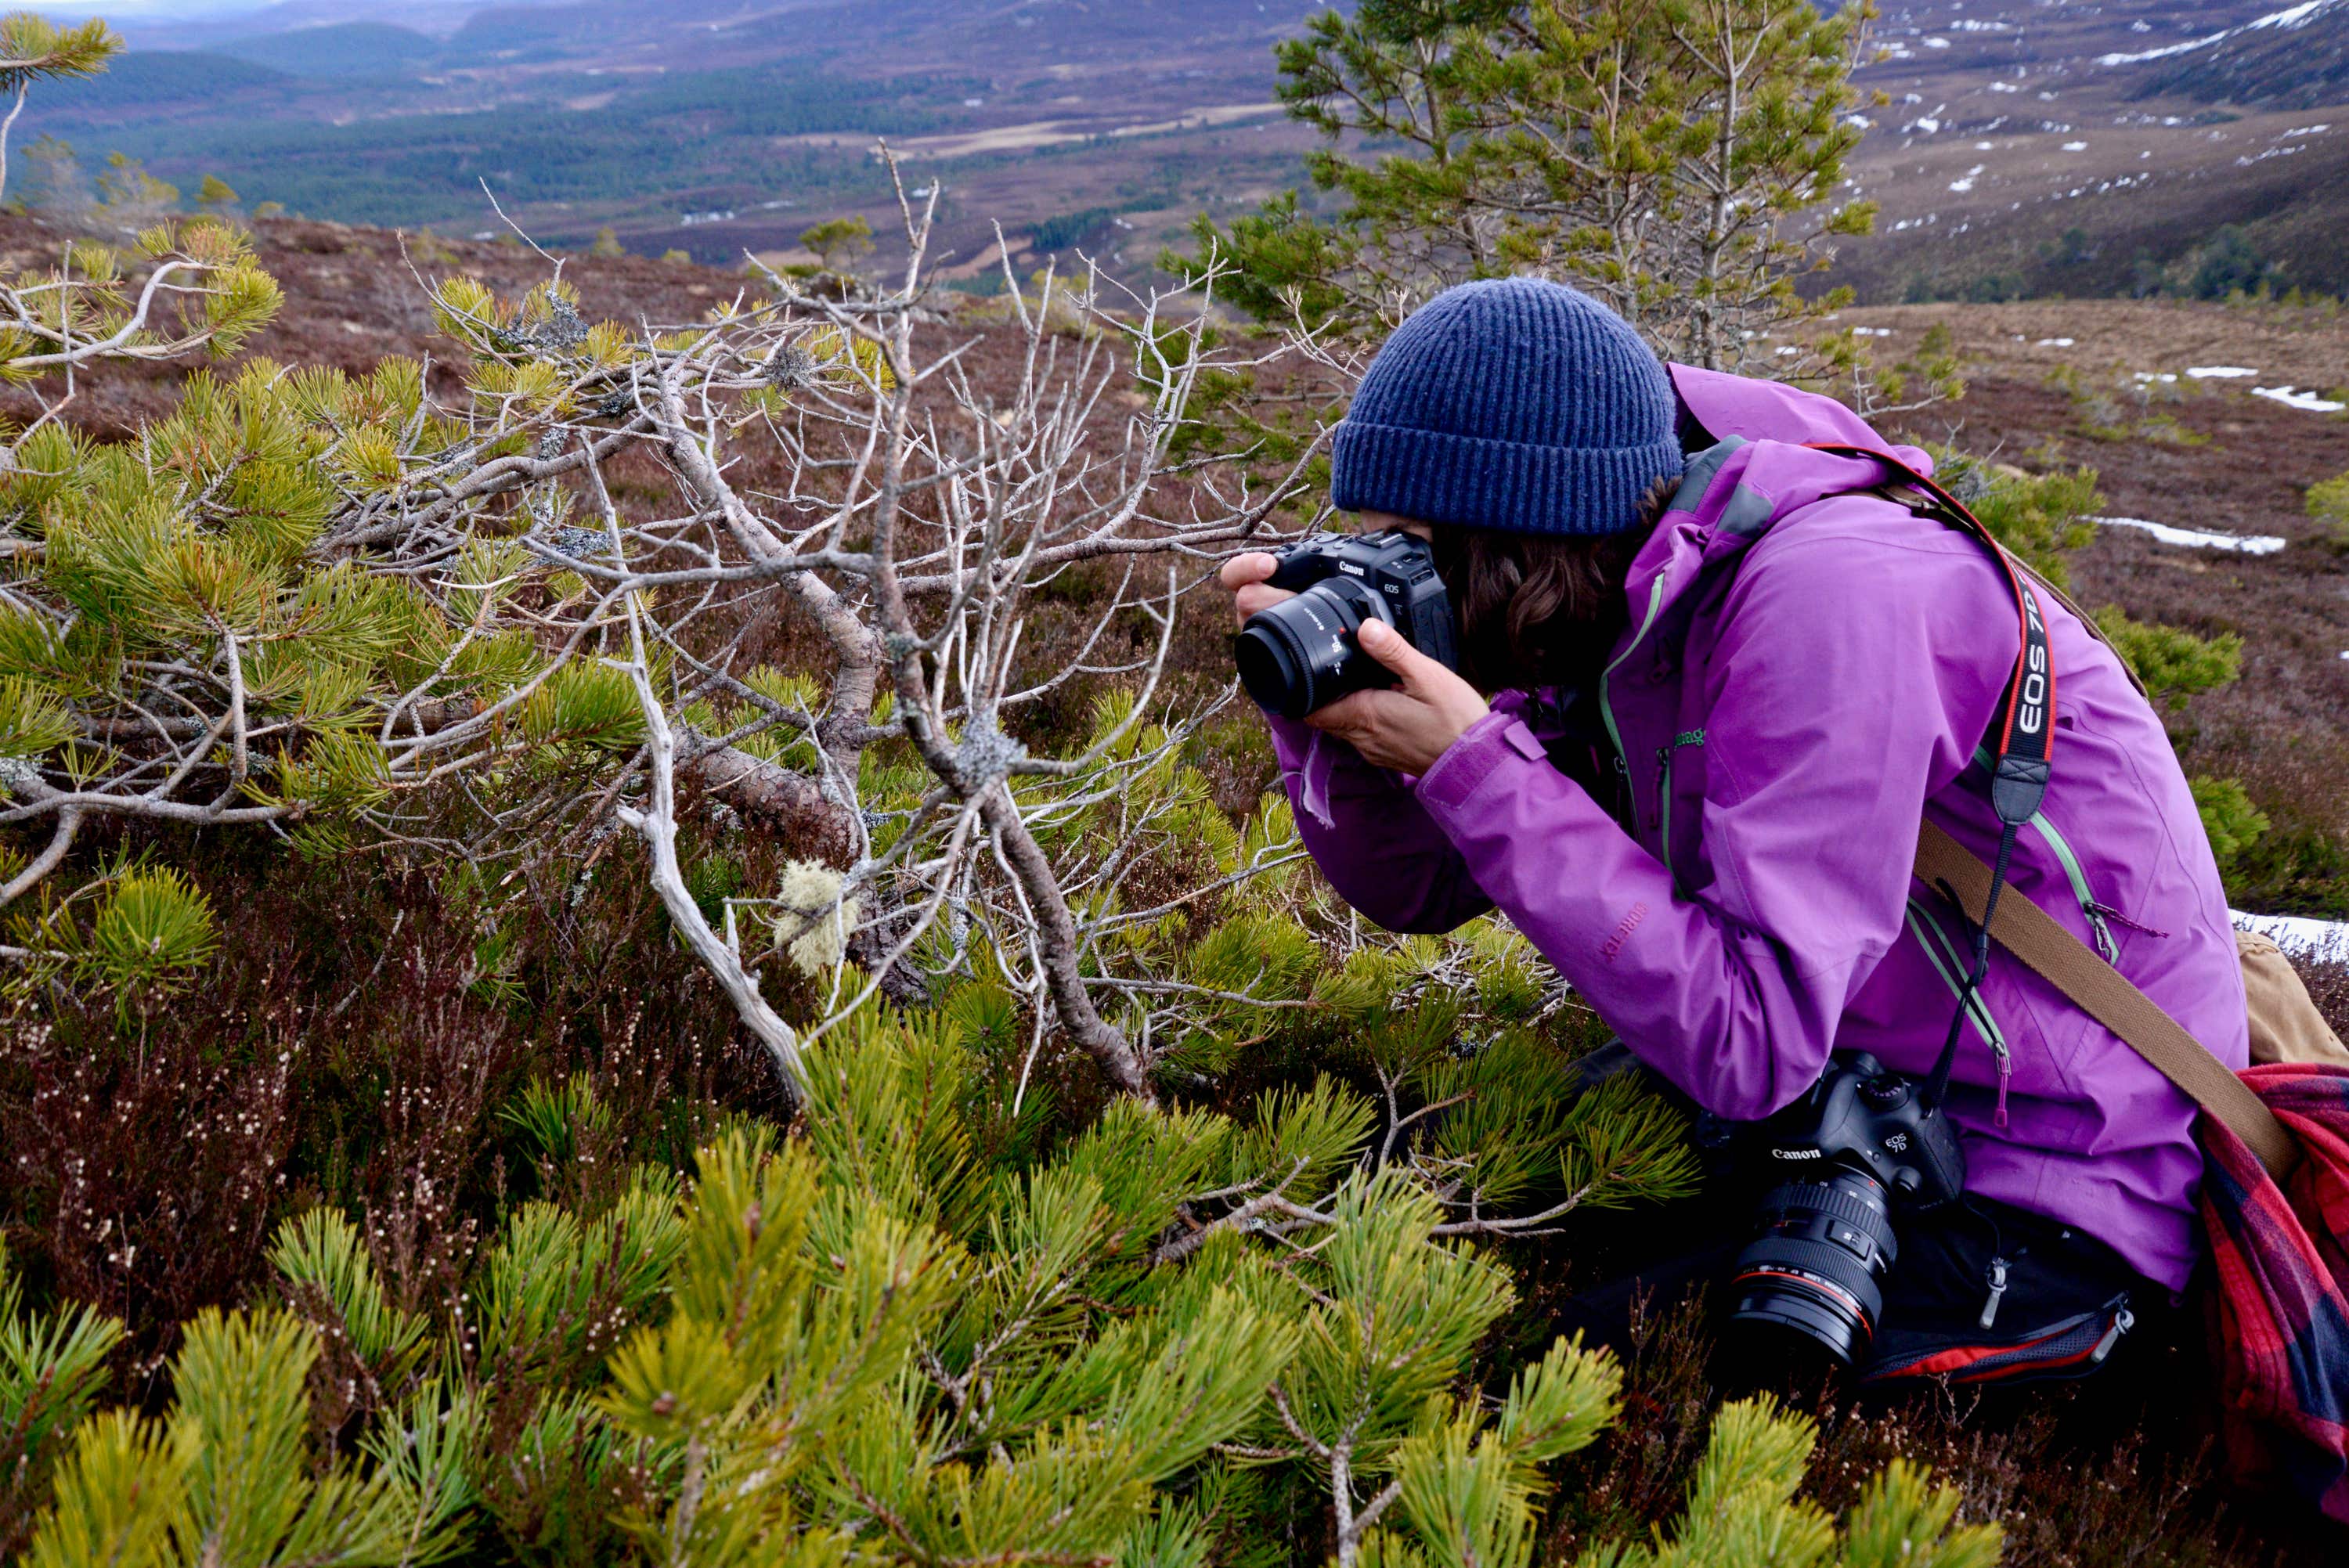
(2022, 149)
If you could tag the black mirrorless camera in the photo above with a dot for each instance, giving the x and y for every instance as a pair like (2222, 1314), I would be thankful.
(1302, 653)
(1863, 1141)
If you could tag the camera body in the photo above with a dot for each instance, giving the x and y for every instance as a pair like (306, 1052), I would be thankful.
(1303, 654)
(1863, 1118)
(1861, 1142)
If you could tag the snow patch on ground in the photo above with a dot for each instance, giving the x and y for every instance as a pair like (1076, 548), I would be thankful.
(2217, 372)
(2326, 941)
(2052, 343)
(2076, 147)
(2197, 538)
(2290, 398)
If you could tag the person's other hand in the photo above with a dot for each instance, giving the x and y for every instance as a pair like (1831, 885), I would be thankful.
(1406, 727)
(1244, 575)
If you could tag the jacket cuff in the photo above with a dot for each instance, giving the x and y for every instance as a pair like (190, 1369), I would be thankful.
(1292, 741)
(1467, 762)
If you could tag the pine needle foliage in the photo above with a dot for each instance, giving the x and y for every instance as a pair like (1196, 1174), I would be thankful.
(2174, 664)
(226, 1477)
(52, 1366)
(2328, 503)
(863, 1345)
(1742, 1508)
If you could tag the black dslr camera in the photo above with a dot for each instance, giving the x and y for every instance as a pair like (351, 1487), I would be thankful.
(1864, 1139)
(1302, 653)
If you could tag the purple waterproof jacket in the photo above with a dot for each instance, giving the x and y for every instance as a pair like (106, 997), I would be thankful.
(1807, 671)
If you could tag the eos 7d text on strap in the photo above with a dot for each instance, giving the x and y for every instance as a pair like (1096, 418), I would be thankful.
(2024, 728)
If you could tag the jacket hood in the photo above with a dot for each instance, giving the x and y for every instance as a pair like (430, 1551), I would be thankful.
(1723, 406)
(1759, 467)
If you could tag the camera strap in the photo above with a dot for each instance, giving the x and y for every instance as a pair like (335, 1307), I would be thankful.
(2024, 728)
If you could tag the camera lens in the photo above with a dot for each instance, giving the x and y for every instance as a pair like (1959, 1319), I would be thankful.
(1302, 653)
(1812, 1273)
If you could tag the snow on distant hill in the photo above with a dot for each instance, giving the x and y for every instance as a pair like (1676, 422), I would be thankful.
(2297, 58)
(2290, 19)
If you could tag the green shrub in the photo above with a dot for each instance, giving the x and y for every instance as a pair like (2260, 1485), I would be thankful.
(2040, 517)
(2328, 503)
(2174, 665)
(2231, 265)
(2234, 823)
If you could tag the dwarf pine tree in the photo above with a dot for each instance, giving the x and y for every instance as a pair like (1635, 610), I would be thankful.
(1682, 161)
(883, 1341)
(52, 1367)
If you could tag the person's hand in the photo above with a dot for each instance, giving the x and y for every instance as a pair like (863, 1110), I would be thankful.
(1244, 575)
(1406, 727)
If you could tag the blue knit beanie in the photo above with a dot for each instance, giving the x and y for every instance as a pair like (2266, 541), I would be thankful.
(1513, 404)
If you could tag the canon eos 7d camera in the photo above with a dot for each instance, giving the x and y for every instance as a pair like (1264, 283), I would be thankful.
(1863, 1141)
(1302, 653)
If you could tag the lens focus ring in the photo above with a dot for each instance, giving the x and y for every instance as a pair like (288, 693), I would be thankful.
(1813, 1269)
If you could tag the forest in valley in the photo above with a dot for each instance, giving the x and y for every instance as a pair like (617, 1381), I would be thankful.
(640, 920)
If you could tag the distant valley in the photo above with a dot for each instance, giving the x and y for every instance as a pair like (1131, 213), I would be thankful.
(2081, 147)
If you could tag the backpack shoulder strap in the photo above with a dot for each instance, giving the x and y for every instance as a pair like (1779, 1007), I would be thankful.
(2073, 967)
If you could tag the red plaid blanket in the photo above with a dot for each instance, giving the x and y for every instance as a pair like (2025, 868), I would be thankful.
(2282, 1308)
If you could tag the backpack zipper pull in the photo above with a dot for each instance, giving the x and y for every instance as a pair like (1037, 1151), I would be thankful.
(1996, 1275)
(2006, 1072)
(2123, 1321)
